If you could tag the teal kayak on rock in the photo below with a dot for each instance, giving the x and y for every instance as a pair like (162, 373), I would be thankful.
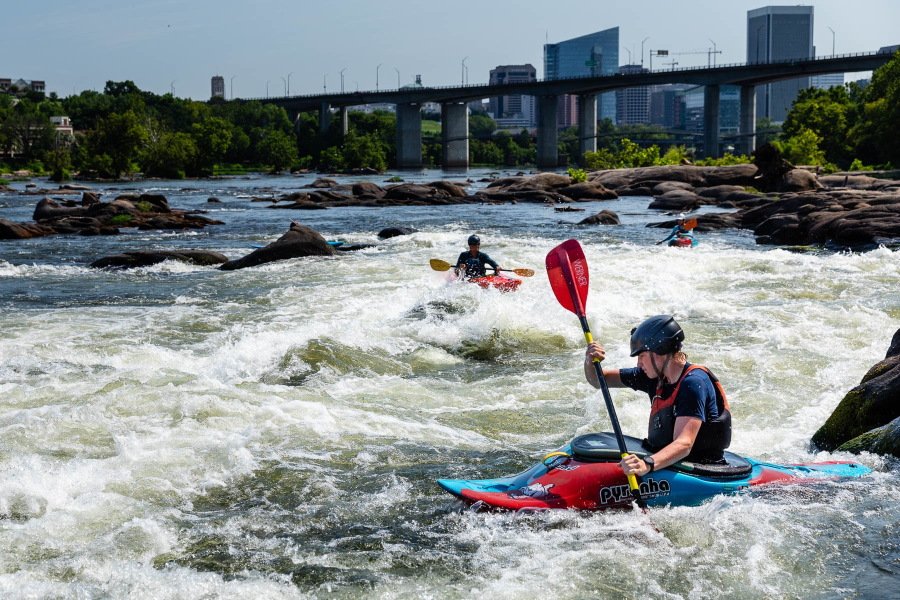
(585, 475)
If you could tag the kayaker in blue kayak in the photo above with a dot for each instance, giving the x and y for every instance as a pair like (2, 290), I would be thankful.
(689, 415)
(471, 263)
(678, 232)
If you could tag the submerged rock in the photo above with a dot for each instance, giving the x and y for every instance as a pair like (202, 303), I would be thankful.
(390, 232)
(298, 242)
(146, 258)
(604, 217)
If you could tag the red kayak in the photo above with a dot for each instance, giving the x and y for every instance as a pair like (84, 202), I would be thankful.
(498, 282)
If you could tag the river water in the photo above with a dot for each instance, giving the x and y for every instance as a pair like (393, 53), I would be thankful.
(275, 432)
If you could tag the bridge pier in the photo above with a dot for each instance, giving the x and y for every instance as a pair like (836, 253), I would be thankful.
(345, 122)
(748, 119)
(711, 121)
(324, 117)
(409, 136)
(455, 135)
(547, 132)
(587, 126)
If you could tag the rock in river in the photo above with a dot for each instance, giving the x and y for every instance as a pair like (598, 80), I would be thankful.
(146, 258)
(875, 402)
(299, 241)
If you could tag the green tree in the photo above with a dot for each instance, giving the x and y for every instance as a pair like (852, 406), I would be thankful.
(211, 137)
(27, 133)
(364, 151)
(877, 134)
(278, 150)
(827, 113)
(803, 148)
(119, 137)
(481, 126)
(169, 155)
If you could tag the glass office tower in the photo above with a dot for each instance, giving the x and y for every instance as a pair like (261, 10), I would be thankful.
(779, 33)
(592, 54)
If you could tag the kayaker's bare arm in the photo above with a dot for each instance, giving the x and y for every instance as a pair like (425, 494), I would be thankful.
(686, 430)
(610, 375)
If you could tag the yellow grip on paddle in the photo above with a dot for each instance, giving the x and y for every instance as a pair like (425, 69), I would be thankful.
(590, 338)
(632, 480)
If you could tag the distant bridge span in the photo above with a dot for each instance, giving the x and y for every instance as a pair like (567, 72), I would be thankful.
(455, 116)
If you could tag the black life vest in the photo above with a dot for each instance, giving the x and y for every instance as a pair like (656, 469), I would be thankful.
(714, 435)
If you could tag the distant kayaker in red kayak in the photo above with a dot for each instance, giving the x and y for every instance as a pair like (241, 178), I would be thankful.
(678, 232)
(471, 263)
(689, 415)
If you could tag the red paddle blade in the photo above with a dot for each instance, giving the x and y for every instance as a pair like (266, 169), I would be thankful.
(690, 224)
(568, 273)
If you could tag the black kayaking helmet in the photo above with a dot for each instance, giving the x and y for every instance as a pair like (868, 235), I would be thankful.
(660, 334)
(474, 240)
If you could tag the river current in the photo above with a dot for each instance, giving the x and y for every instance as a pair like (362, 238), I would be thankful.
(276, 432)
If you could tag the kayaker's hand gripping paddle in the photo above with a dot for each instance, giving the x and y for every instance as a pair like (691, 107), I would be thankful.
(568, 273)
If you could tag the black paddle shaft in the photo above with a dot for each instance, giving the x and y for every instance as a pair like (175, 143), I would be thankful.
(611, 409)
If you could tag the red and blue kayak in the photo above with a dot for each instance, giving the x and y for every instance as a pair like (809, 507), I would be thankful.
(498, 282)
(683, 242)
(585, 475)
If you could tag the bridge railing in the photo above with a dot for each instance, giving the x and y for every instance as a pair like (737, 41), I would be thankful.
(476, 86)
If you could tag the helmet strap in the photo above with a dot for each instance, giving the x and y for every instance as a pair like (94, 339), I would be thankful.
(661, 373)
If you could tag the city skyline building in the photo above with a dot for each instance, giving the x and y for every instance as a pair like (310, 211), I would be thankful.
(218, 86)
(593, 54)
(633, 104)
(828, 81)
(779, 33)
(516, 109)
(666, 104)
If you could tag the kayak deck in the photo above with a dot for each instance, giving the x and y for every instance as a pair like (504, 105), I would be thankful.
(499, 282)
(598, 483)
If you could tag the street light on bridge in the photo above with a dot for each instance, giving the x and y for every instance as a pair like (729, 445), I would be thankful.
(376, 76)
(833, 36)
(462, 80)
(325, 83)
(398, 77)
(629, 54)
(232, 86)
(642, 52)
(285, 85)
(342, 79)
(714, 52)
(289, 83)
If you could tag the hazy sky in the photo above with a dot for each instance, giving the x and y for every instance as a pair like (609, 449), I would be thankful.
(80, 45)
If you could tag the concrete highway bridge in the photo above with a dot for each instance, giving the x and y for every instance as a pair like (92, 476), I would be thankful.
(455, 121)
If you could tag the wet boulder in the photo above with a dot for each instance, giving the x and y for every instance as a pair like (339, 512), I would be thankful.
(451, 189)
(587, 190)
(88, 198)
(323, 182)
(50, 209)
(668, 186)
(875, 402)
(681, 200)
(213, 200)
(367, 188)
(298, 242)
(22, 231)
(389, 232)
(881, 440)
(604, 217)
(797, 180)
(146, 258)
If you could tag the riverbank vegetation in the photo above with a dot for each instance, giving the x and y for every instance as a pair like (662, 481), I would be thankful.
(124, 129)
